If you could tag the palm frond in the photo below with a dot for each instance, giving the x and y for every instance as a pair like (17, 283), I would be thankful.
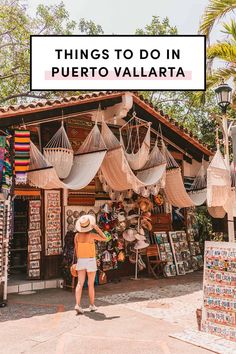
(214, 11)
(230, 29)
(216, 77)
(222, 50)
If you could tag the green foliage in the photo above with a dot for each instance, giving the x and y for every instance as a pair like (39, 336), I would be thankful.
(215, 11)
(203, 224)
(158, 27)
(16, 26)
(89, 27)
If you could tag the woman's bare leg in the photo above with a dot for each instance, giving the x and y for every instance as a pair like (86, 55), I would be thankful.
(80, 284)
(91, 278)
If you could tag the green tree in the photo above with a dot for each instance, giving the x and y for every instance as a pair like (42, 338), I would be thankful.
(89, 28)
(158, 27)
(214, 12)
(16, 26)
(224, 50)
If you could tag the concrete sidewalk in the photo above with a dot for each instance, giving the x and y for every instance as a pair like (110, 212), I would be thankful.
(133, 317)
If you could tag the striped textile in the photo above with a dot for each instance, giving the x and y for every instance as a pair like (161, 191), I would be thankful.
(2, 153)
(22, 155)
(7, 172)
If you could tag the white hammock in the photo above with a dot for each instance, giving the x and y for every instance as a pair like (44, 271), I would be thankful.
(174, 189)
(218, 181)
(117, 172)
(137, 159)
(216, 212)
(156, 158)
(59, 152)
(198, 190)
(230, 205)
(86, 164)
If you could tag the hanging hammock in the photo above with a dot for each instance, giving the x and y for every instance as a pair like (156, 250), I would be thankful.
(218, 181)
(198, 190)
(136, 159)
(230, 205)
(156, 158)
(59, 153)
(174, 188)
(86, 164)
(216, 212)
(117, 172)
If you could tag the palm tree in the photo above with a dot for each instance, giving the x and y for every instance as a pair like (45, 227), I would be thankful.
(215, 11)
(224, 50)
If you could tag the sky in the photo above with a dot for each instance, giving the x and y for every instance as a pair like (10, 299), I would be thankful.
(125, 16)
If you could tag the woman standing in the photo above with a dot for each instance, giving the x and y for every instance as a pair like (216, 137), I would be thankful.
(86, 257)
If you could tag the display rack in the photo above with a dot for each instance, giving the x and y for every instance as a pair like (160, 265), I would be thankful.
(5, 223)
(53, 241)
(219, 303)
(34, 239)
(165, 252)
(181, 252)
(195, 250)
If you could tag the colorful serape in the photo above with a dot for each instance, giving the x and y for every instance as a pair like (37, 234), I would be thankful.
(7, 172)
(2, 153)
(22, 155)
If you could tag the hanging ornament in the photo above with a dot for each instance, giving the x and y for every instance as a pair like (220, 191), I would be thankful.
(101, 177)
(105, 187)
(112, 195)
(145, 192)
(154, 190)
(120, 197)
(129, 193)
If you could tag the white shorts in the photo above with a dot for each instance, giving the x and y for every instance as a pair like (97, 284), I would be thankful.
(88, 264)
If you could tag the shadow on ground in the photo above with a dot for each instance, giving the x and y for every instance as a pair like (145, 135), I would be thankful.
(52, 301)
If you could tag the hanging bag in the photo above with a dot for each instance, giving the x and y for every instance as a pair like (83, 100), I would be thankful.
(73, 268)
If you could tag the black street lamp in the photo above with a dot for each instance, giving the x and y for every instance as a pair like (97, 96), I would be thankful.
(223, 96)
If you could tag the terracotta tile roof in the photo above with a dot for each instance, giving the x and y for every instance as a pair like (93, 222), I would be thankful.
(36, 106)
(30, 107)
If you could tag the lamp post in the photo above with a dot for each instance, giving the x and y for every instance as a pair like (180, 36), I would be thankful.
(223, 97)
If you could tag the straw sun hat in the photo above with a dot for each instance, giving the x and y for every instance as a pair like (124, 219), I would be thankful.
(85, 223)
(129, 235)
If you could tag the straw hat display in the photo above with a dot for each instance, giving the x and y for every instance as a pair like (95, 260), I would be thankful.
(145, 204)
(146, 224)
(133, 217)
(121, 216)
(140, 236)
(129, 235)
(147, 216)
(141, 245)
(132, 258)
(85, 223)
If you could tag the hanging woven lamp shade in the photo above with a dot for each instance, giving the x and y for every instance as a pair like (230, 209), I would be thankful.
(59, 153)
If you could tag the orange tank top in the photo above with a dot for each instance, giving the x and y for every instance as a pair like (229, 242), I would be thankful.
(85, 249)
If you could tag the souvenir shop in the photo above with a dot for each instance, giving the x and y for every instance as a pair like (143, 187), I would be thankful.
(109, 154)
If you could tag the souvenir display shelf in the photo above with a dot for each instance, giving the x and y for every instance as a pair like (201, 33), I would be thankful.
(219, 296)
(181, 252)
(34, 239)
(166, 254)
(19, 244)
(5, 226)
(53, 239)
(195, 250)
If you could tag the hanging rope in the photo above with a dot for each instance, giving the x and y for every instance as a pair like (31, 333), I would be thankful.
(59, 152)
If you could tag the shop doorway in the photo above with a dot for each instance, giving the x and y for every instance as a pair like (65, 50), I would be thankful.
(19, 242)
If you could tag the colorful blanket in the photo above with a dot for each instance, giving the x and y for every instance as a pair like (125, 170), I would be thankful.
(22, 155)
(7, 171)
(2, 153)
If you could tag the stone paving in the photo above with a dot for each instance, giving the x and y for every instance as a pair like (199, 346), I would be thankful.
(133, 317)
